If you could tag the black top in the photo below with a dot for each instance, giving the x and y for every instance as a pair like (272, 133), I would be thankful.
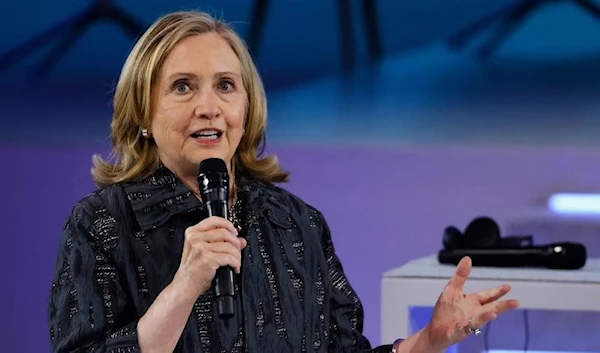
(122, 245)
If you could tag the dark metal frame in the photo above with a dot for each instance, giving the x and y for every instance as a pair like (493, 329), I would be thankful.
(511, 16)
(371, 28)
(71, 30)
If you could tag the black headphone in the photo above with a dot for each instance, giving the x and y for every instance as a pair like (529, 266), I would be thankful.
(481, 233)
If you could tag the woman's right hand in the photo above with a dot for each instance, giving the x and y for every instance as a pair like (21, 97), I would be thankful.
(208, 245)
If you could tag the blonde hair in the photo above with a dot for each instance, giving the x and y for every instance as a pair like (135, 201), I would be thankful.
(134, 156)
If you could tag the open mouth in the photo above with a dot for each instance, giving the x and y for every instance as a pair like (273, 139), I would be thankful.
(207, 134)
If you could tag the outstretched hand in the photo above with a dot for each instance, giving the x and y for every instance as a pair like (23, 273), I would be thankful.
(457, 314)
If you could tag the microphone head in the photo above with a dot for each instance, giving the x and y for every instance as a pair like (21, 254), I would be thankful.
(212, 165)
(213, 180)
(566, 255)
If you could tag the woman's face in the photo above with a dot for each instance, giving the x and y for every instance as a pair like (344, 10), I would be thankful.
(200, 104)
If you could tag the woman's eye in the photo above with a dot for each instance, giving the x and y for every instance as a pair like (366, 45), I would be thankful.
(181, 87)
(226, 86)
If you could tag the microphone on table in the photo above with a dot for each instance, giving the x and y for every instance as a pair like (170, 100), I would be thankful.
(557, 256)
(483, 243)
(213, 179)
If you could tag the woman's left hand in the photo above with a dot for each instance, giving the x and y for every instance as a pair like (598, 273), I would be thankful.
(456, 311)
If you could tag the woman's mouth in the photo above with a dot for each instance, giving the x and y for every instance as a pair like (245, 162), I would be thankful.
(208, 135)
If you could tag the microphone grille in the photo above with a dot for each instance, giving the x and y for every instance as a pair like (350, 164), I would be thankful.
(213, 165)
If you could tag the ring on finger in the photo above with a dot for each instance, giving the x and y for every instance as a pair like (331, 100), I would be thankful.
(472, 329)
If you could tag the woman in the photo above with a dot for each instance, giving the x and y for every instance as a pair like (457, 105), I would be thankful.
(138, 256)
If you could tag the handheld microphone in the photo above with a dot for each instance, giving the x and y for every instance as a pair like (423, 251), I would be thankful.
(213, 180)
(563, 256)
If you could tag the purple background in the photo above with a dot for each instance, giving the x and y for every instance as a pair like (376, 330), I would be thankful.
(446, 138)
(374, 229)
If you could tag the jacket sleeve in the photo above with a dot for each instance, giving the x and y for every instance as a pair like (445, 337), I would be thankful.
(347, 315)
(88, 304)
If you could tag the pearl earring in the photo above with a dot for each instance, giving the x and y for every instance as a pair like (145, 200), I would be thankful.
(145, 132)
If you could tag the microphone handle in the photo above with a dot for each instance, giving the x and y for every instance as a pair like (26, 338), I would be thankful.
(496, 257)
(553, 256)
(224, 281)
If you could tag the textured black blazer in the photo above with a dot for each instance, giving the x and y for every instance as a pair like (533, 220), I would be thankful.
(122, 245)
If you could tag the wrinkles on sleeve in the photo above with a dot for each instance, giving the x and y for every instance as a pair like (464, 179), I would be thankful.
(347, 313)
(88, 305)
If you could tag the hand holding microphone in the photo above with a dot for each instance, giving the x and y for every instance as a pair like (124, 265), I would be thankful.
(212, 250)
(209, 245)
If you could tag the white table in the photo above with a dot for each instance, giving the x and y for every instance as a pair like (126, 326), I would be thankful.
(419, 283)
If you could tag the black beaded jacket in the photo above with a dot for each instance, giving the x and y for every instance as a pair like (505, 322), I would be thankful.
(122, 245)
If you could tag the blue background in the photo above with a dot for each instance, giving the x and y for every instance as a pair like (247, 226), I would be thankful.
(539, 92)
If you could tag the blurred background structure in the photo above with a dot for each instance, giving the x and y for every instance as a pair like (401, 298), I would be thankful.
(357, 91)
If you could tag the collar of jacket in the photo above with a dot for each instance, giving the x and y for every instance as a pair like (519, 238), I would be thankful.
(161, 196)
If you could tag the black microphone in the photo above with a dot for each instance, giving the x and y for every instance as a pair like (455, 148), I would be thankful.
(562, 256)
(213, 180)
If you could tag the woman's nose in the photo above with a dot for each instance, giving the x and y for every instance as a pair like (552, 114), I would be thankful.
(208, 105)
